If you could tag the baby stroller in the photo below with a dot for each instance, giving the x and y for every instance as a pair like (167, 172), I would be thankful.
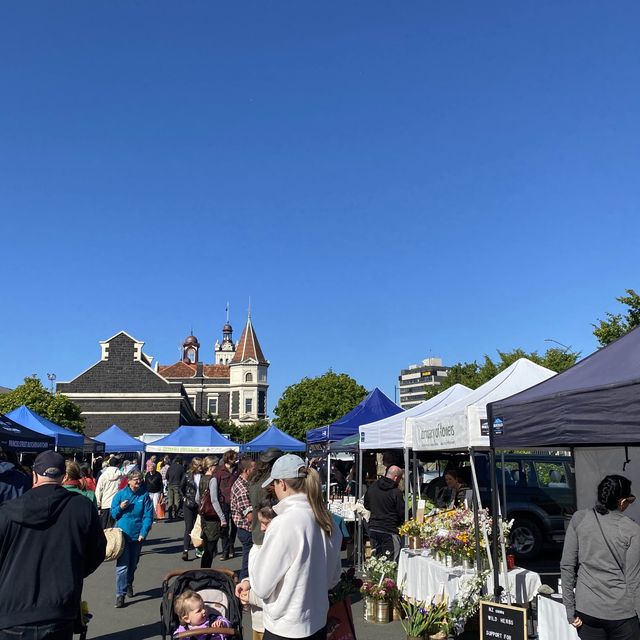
(217, 588)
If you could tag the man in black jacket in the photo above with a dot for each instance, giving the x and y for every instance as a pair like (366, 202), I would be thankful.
(386, 503)
(50, 541)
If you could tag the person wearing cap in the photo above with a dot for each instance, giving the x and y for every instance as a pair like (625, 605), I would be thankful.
(50, 541)
(299, 560)
(257, 493)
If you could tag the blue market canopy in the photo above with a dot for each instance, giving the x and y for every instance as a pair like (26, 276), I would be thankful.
(20, 438)
(374, 407)
(595, 402)
(63, 437)
(192, 440)
(117, 440)
(274, 437)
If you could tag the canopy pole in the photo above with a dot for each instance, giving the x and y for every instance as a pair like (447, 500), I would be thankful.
(477, 506)
(406, 484)
(495, 505)
(504, 483)
(359, 521)
(416, 483)
(328, 475)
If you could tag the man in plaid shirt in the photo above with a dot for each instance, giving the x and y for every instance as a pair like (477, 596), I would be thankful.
(242, 512)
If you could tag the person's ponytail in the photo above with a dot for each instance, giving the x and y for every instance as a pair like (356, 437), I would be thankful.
(610, 490)
(313, 491)
(308, 481)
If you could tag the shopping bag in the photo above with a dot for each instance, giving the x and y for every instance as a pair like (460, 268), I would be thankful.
(340, 621)
(196, 534)
(160, 510)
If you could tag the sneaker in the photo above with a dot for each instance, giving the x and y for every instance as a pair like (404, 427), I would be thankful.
(130, 591)
(119, 602)
(199, 553)
(185, 555)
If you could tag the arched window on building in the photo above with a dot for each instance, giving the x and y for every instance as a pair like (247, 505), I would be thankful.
(248, 377)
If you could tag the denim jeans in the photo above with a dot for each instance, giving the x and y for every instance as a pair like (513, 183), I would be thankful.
(51, 630)
(244, 535)
(126, 565)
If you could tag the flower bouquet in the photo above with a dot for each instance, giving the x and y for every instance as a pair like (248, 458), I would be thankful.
(421, 619)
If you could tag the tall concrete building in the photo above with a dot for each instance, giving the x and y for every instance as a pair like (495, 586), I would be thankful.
(414, 381)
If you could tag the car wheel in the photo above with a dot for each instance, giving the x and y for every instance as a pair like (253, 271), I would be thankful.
(526, 539)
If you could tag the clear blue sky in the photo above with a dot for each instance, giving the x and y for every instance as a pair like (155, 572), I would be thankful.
(386, 181)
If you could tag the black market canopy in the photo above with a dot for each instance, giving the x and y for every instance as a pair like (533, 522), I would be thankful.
(595, 402)
(19, 438)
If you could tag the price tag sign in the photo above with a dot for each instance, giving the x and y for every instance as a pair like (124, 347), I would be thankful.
(502, 621)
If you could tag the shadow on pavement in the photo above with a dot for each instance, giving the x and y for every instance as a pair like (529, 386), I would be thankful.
(137, 633)
(149, 594)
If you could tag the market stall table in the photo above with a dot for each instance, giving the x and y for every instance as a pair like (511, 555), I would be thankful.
(423, 577)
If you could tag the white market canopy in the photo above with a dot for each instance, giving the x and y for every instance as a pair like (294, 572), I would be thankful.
(193, 440)
(391, 432)
(463, 424)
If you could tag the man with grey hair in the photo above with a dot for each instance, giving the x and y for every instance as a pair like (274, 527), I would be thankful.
(386, 503)
(50, 541)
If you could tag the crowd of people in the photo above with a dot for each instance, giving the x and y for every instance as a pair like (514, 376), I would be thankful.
(54, 515)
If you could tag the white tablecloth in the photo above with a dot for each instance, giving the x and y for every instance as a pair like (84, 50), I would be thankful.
(422, 577)
(552, 621)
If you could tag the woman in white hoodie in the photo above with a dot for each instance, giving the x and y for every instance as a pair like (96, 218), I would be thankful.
(107, 487)
(299, 560)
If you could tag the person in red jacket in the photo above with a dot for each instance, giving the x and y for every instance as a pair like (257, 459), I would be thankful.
(226, 474)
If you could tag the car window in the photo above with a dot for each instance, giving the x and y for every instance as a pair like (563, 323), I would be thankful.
(515, 473)
(551, 474)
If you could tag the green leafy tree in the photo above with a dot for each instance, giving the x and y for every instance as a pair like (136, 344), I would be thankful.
(54, 407)
(617, 324)
(473, 375)
(241, 434)
(315, 402)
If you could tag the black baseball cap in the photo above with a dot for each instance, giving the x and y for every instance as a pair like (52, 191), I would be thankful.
(49, 464)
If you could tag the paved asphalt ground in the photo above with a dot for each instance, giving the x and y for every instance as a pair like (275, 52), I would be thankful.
(140, 618)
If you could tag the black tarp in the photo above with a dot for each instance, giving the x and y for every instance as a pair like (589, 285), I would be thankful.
(21, 439)
(595, 402)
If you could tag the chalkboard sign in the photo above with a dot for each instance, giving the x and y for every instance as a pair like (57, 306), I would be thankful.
(502, 622)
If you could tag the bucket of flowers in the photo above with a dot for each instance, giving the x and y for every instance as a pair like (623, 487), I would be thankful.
(425, 620)
(379, 589)
(412, 529)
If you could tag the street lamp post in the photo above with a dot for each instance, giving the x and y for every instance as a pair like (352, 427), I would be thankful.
(566, 348)
(52, 379)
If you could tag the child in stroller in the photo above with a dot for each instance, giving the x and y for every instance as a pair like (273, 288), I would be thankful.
(216, 587)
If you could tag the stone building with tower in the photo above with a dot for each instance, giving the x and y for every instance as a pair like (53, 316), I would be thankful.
(234, 387)
(126, 389)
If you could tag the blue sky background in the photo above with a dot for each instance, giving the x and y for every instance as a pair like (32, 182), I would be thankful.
(386, 181)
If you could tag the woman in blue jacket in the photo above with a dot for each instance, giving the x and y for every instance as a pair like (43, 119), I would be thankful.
(132, 510)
